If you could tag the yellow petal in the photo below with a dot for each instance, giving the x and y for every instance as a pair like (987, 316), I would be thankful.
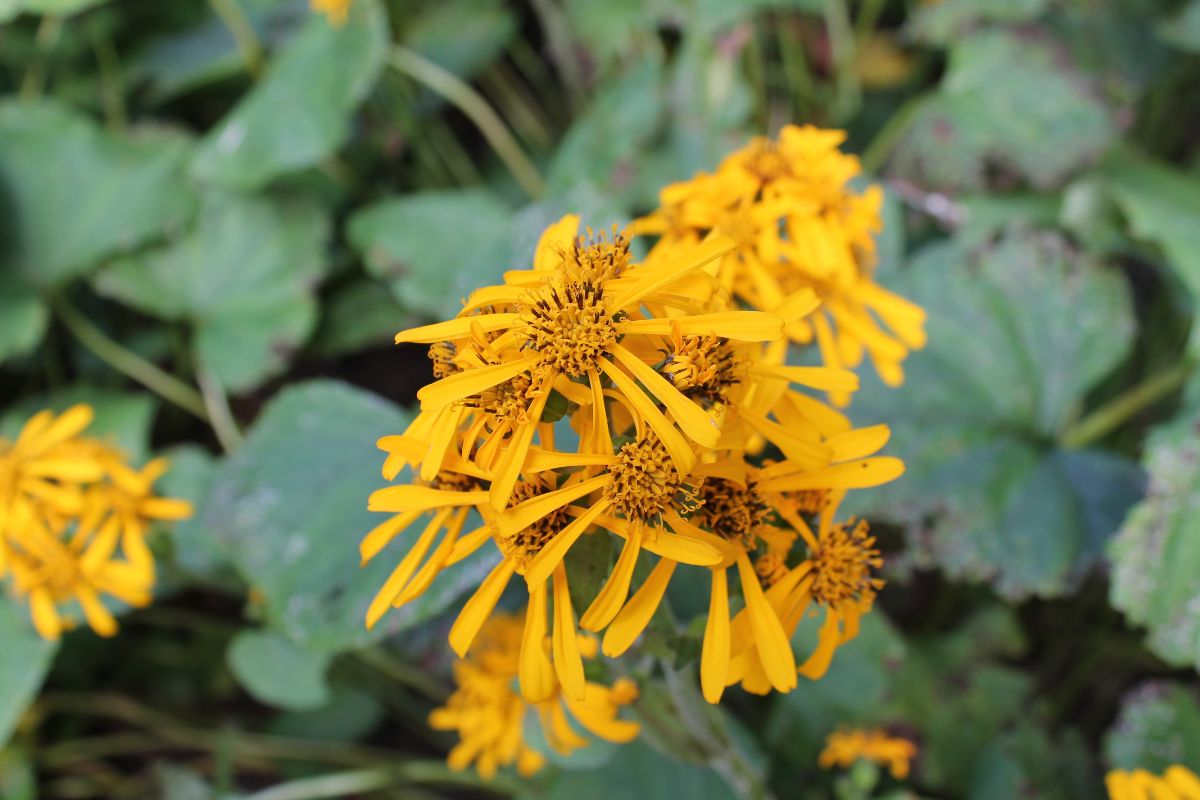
(858, 443)
(774, 649)
(677, 447)
(682, 549)
(430, 569)
(647, 281)
(693, 419)
(421, 498)
(742, 326)
(479, 607)
(823, 378)
(70, 423)
(403, 571)
(543, 460)
(568, 664)
(827, 641)
(554, 551)
(535, 672)
(522, 516)
(45, 615)
(443, 434)
(638, 612)
(557, 238)
(98, 617)
(611, 597)
(468, 544)
(851, 475)
(165, 508)
(457, 328)
(1183, 781)
(609, 728)
(473, 381)
(714, 657)
(509, 468)
(383, 533)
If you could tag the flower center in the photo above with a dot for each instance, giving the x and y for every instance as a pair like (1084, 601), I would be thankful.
(771, 567)
(454, 482)
(703, 367)
(645, 483)
(766, 162)
(507, 401)
(732, 512)
(442, 355)
(844, 564)
(522, 546)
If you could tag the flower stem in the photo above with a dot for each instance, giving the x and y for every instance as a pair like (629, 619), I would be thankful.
(1112, 414)
(471, 103)
(877, 152)
(219, 413)
(234, 17)
(125, 361)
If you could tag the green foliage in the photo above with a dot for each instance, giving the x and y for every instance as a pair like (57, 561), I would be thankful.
(276, 672)
(1018, 332)
(1159, 726)
(25, 663)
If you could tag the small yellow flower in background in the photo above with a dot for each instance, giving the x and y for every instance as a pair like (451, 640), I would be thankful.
(1177, 783)
(335, 10)
(844, 747)
(73, 521)
(489, 715)
(798, 226)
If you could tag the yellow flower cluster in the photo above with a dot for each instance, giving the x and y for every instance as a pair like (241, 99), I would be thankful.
(73, 521)
(589, 395)
(844, 747)
(798, 227)
(489, 715)
(1177, 783)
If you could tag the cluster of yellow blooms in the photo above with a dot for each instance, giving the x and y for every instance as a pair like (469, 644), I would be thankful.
(1177, 783)
(590, 395)
(74, 517)
(844, 747)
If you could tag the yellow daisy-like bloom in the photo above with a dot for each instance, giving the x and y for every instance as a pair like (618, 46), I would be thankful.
(489, 715)
(1177, 783)
(335, 10)
(798, 226)
(73, 521)
(844, 747)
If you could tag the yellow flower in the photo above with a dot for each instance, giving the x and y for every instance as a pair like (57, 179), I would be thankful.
(797, 226)
(1177, 783)
(489, 716)
(335, 10)
(73, 521)
(844, 747)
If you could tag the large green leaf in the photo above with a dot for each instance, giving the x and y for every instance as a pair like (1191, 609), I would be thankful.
(1018, 332)
(300, 112)
(1183, 30)
(940, 23)
(1159, 725)
(59, 8)
(289, 508)
(637, 771)
(462, 36)
(72, 194)
(1156, 557)
(436, 247)
(24, 660)
(23, 315)
(1006, 100)
(243, 278)
(277, 672)
(1161, 205)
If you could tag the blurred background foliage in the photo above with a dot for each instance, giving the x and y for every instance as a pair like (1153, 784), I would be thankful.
(214, 215)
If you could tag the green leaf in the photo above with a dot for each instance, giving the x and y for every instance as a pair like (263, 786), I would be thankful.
(290, 508)
(360, 314)
(436, 247)
(1018, 333)
(1007, 100)
(122, 418)
(462, 36)
(1159, 725)
(1183, 30)
(23, 316)
(943, 22)
(277, 672)
(1156, 556)
(9, 9)
(24, 660)
(243, 278)
(195, 551)
(637, 771)
(1161, 206)
(74, 195)
(319, 78)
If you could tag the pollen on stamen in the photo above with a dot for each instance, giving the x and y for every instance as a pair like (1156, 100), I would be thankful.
(645, 483)
(845, 564)
(732, 512)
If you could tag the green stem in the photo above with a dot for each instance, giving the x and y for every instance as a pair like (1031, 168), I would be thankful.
(403, 673)
(471, 103)
(343, 784)
(129, 363)
(890, 134)
(46, 36)
(234, 17)
(1111, 415)
(217, 405)
(112, 90)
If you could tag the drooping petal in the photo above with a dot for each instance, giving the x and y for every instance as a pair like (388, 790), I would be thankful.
(542, 565)
(637, 613)
(479, 607)
(612, 596)
(568, 664)
(535, 672)
(714, 656)
(457, 328)
(774, 649)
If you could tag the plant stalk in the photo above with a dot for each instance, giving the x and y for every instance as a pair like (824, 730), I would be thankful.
(1113, 414)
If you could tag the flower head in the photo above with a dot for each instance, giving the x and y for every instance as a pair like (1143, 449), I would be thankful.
(845, 746)
(489, 715)
(73, 521)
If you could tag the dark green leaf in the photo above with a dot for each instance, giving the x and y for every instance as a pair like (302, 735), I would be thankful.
(23, 316)
(243, 278)
(319, 79)
(462, 36)
(637, 771)
(1018, 333)
(359, 315)
(24, 660)
(1183, 30)
(290, 508)
(73, 195)
(941, 23)
(59, 8)
(1159, 725)
(277, 672)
